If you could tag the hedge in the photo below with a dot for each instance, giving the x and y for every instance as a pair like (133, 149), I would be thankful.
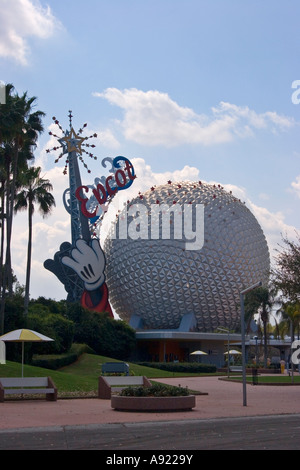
(192, 367)
(53, 361)
(56, 361)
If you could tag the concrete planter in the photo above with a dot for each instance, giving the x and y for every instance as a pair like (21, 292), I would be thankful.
(153, 403)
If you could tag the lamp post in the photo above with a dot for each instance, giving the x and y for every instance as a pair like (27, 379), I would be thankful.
(256, 350)
(291, 353)
(242, 293)
(226, 331)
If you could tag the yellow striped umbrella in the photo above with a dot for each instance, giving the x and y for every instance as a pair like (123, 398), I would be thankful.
(23, 335)
(233, 351)
(198, 353)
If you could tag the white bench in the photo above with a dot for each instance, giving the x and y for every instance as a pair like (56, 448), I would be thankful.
(115, 368)
(236, 369)
(27, 385)
(108, 385)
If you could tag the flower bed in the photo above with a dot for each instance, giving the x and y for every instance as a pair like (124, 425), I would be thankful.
(153, 403)
(155, 398)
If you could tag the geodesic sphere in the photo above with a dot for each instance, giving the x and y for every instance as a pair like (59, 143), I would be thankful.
(161, 280)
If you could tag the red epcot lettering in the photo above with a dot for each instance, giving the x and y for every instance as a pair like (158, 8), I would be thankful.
(84, 201)
(96, 192)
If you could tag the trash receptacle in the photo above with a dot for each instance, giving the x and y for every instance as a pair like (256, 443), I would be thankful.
(282, 366)
(254, 376)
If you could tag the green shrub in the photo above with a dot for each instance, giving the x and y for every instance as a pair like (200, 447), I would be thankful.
(53, 361)
(14, 318)
(54, 326)
(156, 390)
(56, 361)
(106, 336)
(188, 367)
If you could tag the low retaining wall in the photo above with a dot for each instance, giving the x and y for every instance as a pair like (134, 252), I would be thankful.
(153, 403)
(259, 371)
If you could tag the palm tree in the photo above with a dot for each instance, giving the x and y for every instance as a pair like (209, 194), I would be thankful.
(25, 138)
(261, 300)
(19, 130)
(36, 190)
(290, 314)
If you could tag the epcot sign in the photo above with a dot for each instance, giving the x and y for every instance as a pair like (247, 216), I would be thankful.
(80, 265)
(106, 188)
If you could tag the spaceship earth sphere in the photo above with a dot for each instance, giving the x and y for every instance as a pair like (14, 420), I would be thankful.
(161, 279)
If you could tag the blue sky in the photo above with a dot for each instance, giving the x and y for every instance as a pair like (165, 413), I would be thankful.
(187, 89)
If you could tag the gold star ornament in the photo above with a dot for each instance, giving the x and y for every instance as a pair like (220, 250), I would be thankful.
(72, 142)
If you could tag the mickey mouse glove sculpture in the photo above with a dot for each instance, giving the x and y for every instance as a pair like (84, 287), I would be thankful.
(88, 261)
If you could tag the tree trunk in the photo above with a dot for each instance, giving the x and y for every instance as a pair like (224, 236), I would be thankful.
(264, 317)
(5, 230)
(265, 345)
(28, 268)
(11, 202)
(2, 254)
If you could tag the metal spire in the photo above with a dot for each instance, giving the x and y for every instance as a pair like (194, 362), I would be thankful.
(72, 144)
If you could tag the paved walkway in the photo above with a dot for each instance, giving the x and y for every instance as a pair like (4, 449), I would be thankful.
(224, 399)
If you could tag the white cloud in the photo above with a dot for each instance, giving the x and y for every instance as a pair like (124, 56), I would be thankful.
(252, 119)
(153, 118)
(107, 139)
(20, 20)
(296, 186)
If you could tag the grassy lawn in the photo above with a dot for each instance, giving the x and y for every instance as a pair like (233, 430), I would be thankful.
(271, 380)
(81, 377)
(67, 384)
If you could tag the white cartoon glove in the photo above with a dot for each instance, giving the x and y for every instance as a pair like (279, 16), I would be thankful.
(88, 262)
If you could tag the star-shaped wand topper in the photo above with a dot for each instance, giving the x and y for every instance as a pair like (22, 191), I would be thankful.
(72, 142)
